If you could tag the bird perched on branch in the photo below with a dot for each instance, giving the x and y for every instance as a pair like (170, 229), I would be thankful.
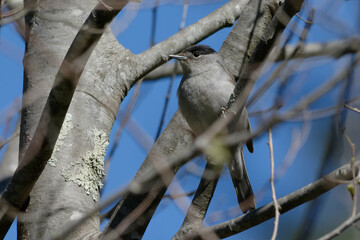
(203, 94)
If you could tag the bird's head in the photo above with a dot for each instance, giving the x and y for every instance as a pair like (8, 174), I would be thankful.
(196, 58)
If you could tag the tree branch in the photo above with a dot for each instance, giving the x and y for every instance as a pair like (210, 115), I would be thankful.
(286, 203)
(9, 161)
(335, 49)
(175, 138)
(201, 201)
(156, 55)
(42, 144)
(236, 50)
(273, 193)
(224, 16)
(177, 130)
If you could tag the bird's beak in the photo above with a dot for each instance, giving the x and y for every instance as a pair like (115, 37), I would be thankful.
(178, 57)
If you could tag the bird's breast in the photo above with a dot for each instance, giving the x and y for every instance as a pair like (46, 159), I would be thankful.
(201, 98)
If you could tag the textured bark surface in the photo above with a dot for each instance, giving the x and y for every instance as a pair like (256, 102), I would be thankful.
(243, 38)
(201, 201)
(51, 26)
(236, 51)
(176, 137)
(69, 185)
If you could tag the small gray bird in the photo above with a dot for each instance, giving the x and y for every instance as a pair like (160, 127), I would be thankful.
(203, 93)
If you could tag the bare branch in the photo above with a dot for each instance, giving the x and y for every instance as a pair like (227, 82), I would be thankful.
(224, 16)
(201, 201)
(352, 108)
(349, 222)
(335, 49)
(14, 135)
(153, 175)
(236, 49)
(296, 110)
(167, 97)
(286, 203)
(178, 134)
(41, 147)
(174, 196)
(353, 191)
(131, 202)
(276, 205)
(9, 161)
(177, 130)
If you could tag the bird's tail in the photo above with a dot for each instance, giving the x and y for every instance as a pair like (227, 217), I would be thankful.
(241, 181)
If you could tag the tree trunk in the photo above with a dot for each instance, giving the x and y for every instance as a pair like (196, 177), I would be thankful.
(69, 185)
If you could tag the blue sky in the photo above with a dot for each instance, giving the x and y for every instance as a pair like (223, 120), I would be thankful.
(147, 112)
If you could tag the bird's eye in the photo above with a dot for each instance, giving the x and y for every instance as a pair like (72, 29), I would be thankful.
(196, 54)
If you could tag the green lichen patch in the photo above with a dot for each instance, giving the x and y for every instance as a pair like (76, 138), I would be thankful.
(65, 129)
(89, 171)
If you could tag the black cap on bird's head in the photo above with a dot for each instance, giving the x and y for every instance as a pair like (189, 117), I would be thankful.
(194, 51)
(201, 49)
(197, 58)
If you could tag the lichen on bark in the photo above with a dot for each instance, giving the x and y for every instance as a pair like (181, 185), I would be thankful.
(89, 171)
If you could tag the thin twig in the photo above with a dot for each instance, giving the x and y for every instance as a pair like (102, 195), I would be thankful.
(133, 216)
(353, 191)
(286, 203)
(352, 108)
(174, 196)
(14, 135)
(306, 101)
(201, 201)
(303, 19)
(276, 205)
(350, 221)
(12, 12)
(13, 15)
(181, 156)
(321, 113)
(298, 140)
(334, 49)
(154, 23)
(174, 73)
(120, 229)
(283, 66)
(108, 7)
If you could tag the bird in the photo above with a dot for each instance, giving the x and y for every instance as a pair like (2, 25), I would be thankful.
(203, 94)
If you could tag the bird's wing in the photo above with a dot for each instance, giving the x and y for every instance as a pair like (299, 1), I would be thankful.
(249, 143)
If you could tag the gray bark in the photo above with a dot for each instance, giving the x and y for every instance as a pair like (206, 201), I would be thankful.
(69, 185)
(201, 201)
(335, 49)
(152, 58)
(236, 51)
(64, 191)
(176, 137)
(50, 17)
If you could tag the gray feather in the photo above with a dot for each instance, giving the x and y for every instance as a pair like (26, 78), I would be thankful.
(204, 91)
